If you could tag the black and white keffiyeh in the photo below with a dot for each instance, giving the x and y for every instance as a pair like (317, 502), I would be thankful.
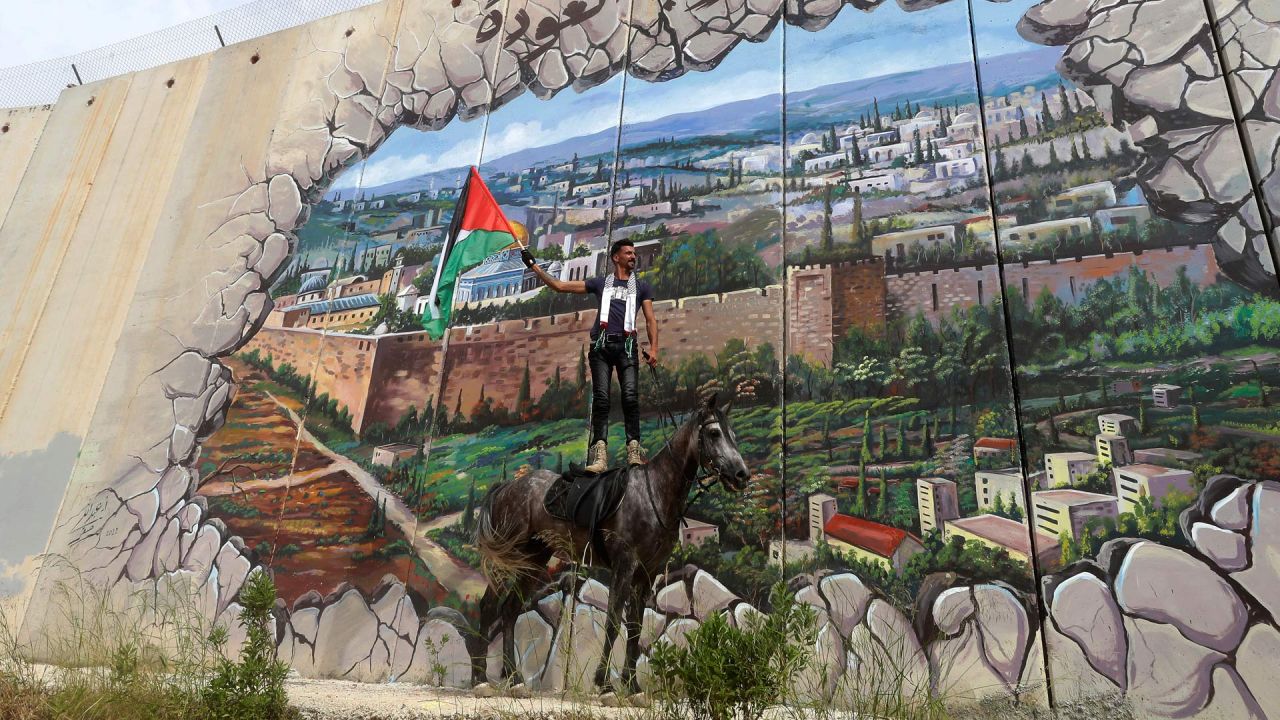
(606, 302)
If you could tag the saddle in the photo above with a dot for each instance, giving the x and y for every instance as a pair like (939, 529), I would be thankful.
(584, 498)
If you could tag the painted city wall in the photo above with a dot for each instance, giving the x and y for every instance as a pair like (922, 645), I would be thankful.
(991, 287)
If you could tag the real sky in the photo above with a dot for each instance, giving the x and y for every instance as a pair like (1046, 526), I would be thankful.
(34, 31)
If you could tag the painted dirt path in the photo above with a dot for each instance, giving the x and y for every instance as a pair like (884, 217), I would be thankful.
(450, 573)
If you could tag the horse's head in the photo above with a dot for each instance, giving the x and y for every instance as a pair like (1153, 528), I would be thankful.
(718, 446)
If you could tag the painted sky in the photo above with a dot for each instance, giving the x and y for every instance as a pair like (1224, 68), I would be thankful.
(885, 41)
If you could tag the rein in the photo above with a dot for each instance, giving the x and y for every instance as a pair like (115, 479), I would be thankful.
(699, 480)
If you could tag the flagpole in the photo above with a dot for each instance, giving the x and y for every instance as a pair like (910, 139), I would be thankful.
(455, 226)
(435, 283)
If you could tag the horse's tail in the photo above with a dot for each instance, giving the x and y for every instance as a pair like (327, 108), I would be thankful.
(502, 559)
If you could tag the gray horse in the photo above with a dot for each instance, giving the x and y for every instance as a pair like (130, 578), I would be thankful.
(517, 537)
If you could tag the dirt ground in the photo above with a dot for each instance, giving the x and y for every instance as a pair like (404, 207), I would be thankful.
(344, 700)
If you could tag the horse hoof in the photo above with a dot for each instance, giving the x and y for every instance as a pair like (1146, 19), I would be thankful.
(639, 700)
(519, 691)
(610, 699)
(484, 690)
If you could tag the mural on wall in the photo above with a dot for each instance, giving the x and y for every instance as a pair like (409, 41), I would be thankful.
(867, 244)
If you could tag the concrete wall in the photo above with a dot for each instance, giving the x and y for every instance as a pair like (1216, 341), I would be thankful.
(142, 219)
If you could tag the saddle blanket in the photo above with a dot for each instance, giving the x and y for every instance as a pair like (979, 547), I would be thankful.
(584, 498)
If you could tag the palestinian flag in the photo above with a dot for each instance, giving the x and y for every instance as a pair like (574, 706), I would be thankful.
(479, 229)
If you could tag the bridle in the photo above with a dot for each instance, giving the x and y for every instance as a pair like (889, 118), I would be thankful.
(707, 474)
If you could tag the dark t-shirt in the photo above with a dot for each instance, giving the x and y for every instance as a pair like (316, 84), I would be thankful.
(618, 308)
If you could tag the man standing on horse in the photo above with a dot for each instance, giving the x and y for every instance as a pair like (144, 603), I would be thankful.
(613, 346)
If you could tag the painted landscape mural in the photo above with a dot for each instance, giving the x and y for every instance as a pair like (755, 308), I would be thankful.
(982, 294)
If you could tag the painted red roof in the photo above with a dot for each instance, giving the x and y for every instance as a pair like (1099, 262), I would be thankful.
(996, 443)
(870, 536)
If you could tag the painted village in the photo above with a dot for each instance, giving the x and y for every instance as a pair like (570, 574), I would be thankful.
(867, 226)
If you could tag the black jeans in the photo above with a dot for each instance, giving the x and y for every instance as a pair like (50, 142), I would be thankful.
(604, 359)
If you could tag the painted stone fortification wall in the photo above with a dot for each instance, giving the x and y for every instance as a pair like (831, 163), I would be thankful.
(148, 387)
(379, 378)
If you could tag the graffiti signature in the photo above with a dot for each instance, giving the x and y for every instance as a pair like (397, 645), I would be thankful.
(546, 33)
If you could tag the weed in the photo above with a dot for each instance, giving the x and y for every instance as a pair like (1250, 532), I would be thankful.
(146, 655)
(253, 685)
(736, 673)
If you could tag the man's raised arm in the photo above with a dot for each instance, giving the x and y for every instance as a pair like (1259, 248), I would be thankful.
(577, 287)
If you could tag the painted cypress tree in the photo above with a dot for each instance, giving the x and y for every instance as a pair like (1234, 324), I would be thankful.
(926, 442)
(864, 457)
(828, 240)
(902, 439)
(1068, 554)
(469, 513)
(882, 500)
(876, 122)
(1053, 157)
(1142, 416)
(522, 396)
(1047, 120)
(883, 443)
(458, 419)
(855, 227)
(1053, 430)
(1262, 385)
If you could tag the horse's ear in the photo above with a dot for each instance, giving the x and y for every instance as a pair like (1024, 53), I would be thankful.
(712, 401)
(728, 404)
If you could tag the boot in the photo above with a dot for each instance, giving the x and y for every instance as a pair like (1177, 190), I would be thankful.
(597, 458)
(635, 453)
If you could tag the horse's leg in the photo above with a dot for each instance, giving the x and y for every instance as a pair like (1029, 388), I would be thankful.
(641, 586)
(510, 611)
(623, 574)
(522, 592)
(478, 640)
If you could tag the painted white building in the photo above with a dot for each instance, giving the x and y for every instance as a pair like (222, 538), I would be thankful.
(963, 167)
(1073, 227)
(1112, 449)
(1059, 511)
(1126, 218)
(898, 243)
(889, 182)
(1166, 397)
(824, 162)
(1153, 481)
(1117, 424)
(1065, 468)
(1084, 198)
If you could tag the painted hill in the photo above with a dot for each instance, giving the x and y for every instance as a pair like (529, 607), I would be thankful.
(807, 108)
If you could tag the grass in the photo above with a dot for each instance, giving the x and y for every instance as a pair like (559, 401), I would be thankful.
(146, 655)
